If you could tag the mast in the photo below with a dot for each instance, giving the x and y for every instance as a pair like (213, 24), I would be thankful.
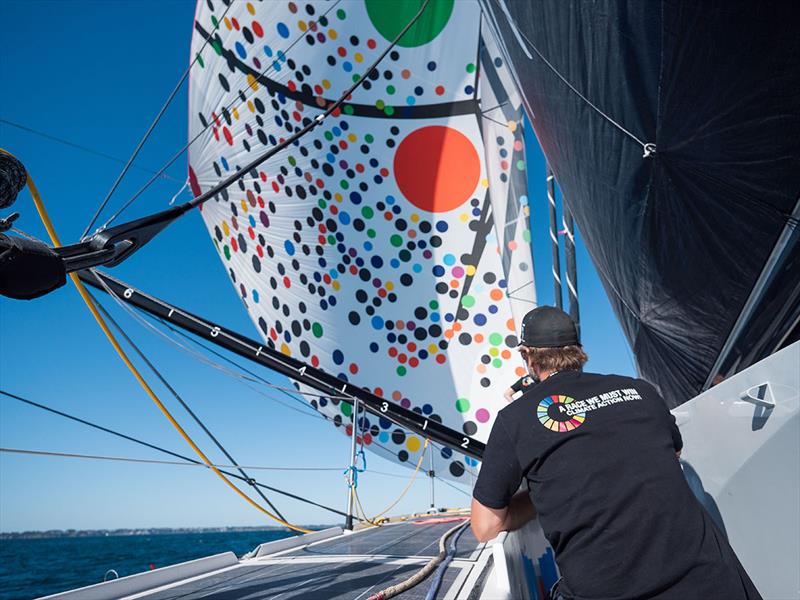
(572, 271)
(551, 199)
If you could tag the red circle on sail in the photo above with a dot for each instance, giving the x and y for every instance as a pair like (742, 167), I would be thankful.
(437, 168)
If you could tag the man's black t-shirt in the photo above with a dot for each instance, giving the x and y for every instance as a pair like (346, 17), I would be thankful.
(598, 453)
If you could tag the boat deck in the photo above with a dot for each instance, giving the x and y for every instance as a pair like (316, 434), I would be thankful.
(352, 566)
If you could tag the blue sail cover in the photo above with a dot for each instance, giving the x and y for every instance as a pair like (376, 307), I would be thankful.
(679, 237)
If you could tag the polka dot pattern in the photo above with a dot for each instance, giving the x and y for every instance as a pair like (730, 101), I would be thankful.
(375, 247)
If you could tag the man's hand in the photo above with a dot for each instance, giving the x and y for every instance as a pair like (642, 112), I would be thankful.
(487, 522)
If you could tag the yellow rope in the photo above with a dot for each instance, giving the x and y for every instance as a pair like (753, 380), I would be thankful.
(372, 521)
(37, 200)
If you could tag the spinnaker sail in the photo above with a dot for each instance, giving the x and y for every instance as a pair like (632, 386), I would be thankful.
(390, 246)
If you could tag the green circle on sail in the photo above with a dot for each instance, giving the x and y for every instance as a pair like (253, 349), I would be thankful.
(389, 18)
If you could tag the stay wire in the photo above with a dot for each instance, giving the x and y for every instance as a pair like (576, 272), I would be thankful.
(198, 356)
(155, 122)
(183, 403)
(232, 362)
(182, 209)
(190, 317)
(183, 457)
(180, 152)
(150, 461)
(85, 149)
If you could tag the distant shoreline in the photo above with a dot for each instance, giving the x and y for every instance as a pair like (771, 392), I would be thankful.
(84, 533)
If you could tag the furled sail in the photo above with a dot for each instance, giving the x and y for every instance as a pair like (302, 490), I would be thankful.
(673, 130)
(391, 245)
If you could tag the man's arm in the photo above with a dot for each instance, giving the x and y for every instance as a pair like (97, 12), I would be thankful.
(488, 522)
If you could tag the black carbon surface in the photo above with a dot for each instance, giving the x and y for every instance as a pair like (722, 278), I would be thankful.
(400, 540)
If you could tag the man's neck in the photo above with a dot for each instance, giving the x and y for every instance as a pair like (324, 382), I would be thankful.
(545, 374)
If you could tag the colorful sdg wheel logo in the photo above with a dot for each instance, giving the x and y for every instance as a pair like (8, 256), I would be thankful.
(552, 413)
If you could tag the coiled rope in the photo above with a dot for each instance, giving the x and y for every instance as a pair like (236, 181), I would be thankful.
(48, 225)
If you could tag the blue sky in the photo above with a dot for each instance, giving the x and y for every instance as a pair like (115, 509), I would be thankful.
(96, 73)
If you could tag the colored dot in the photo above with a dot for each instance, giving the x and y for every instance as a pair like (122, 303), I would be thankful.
(341, 14)
(316, 329)
(468, 301)
(497, 363)
(437, 168)
(449, 259)
(390, 89)
(470, 68)
(401, 370)
(495, 339)
(396, 240)
(283, 30)
(462, 405)
(377, 322)
(389, 18)
(413, 444)
(482, 415)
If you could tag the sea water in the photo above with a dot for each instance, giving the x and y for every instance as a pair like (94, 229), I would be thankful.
(37, 567)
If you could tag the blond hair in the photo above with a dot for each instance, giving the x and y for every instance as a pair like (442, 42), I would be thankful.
(554, 359)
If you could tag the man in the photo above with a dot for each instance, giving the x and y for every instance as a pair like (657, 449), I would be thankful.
(598, 456)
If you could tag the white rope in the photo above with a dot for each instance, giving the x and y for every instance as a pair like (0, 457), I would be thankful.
(180, 191)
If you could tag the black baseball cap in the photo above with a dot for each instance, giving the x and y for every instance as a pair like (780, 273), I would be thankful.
(548, 327)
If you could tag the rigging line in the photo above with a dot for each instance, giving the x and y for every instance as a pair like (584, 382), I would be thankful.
(160, 449)
(37, 200)
(155, 122)
(180, 210)
(488, 110)
(229, 360)
(156, 462)
(100, 275)
(176, 463)
(59, 140)
(175, 157)
(190, 317)
(648, 148)
(495, 121)
(200, 358)
(182, 402)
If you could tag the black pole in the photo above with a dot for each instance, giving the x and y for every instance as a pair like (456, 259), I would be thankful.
(551, 199)
(572, 271)
(262, 354)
